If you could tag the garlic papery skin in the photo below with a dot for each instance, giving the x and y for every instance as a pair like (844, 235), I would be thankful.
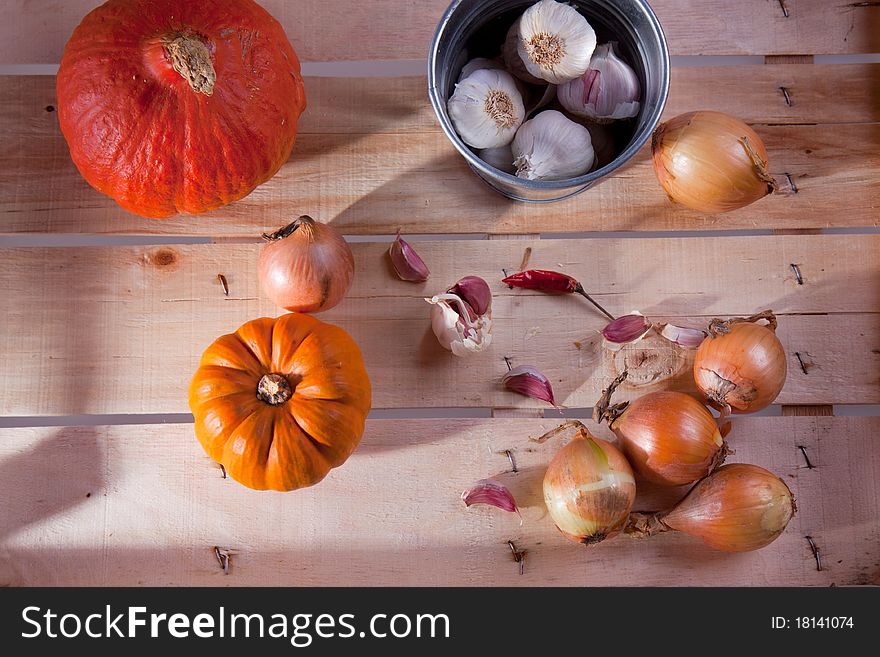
(555, 42)
(479, 64)
(552, 147)
(608, 91)
(455, 327)
(512, 60)
(486, 109)
(501, 158)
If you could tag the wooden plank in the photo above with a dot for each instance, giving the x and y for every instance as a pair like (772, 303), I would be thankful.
(322, 30)
(142, 505)
(121, 329)
(378, 162)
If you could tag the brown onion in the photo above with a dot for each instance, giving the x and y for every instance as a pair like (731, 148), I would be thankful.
(306, 267)
(670, 438)
(711, 162)
(737, 508)
(589, 488)
(742, 365)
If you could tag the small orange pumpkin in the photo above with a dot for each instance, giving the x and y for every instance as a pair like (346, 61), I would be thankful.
(281, 401)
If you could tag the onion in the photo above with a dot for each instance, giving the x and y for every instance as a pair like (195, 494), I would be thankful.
(741, 366)
(306, 267)
(737, 508)
(589, 488)
(711, 162)
(669, 437)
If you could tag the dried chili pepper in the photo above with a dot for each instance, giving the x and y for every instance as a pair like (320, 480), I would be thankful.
(552, 282)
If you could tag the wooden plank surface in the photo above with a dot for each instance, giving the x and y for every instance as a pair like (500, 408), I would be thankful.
(121, 329)
(142, 505)
(322, 30)
(371, 156)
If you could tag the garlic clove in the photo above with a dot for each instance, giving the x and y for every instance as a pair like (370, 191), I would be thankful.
(493, 493)
(457, 327)
(529, 382)
(486, 108)
(684, 337)
(407, 263)
(479, 64)
(609, 90)
(475, 292)
(627, 329)
(555, 41)
(552, 147)
(501, 158)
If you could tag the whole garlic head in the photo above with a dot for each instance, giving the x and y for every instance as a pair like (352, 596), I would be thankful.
(607, 91)
(555, 41)
(501, 158)
(552, 147)
(486, 108)
(480, 63)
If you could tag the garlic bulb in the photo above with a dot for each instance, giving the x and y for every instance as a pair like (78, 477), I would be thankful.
(552, 147)
(486, 109)
(512, 60)
(479, 64)
(501, 158)
(555, 41)
(609, 90)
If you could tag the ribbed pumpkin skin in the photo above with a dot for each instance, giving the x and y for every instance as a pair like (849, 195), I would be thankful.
(296, 443)
(137, 130)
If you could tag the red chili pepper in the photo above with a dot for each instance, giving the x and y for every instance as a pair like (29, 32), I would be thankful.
(543, 280)
(552, 282)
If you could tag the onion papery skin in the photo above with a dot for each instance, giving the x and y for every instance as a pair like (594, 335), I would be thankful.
(744, 369)
(589, 490)
(702, 161)
(310, 270)
(738, 508)
(669, 438)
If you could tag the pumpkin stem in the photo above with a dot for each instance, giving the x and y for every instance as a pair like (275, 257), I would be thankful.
(305, 222)
(274, 389)
(189, 55)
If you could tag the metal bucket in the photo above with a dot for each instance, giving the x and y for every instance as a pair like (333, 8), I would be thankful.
(631, 23)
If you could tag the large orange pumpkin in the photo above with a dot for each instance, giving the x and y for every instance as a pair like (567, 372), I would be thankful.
(175, 106)
(281, 401)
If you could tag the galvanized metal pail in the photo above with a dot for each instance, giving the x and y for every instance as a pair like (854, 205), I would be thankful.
(632, 23)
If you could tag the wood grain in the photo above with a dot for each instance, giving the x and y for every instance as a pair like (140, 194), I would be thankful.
(322, 30)
(142, 505)
(121, 329)
(375, 163)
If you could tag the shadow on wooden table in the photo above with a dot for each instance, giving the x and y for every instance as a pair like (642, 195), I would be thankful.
(58, 473)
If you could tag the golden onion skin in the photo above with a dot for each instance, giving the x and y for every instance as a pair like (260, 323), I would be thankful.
(738, 508)
(744, 368)
(670, 438)
(589, 490)
(711, 162)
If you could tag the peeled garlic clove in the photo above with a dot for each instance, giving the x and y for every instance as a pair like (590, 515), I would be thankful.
(475, 292)
(609, 90)
(486, 109)
(552, 147)
(684, 337)
(491, 492)
(555, 42)
(627, 329)
(407, 263)
(512, 60)
(530, 382)
(479, 64)
(501, 158)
